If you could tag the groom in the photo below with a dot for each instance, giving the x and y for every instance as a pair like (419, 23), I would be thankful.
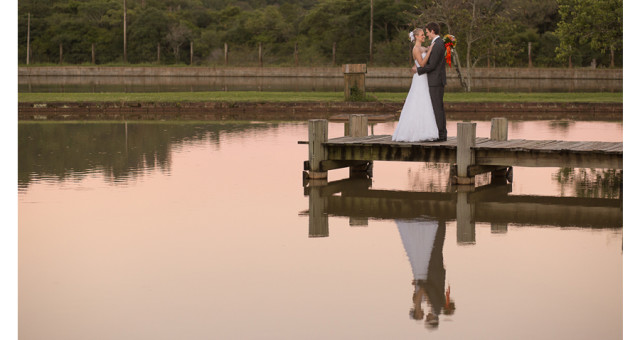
(437, 77)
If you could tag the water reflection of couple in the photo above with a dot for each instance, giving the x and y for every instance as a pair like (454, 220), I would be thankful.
(423, 241)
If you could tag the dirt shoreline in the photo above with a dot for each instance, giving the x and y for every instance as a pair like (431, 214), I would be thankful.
(306, 110)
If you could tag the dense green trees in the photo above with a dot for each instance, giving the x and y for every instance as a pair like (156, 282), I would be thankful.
(489, 32)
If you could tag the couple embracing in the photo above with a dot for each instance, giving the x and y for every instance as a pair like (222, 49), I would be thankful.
(422, 117)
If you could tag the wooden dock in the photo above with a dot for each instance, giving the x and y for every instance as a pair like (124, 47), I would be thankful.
(468, 155)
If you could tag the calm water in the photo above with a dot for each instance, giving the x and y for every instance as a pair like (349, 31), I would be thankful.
(207, 231)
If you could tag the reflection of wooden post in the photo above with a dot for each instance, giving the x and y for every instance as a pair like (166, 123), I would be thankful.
(354, 81)
(465, 156)
(318, 134)
(466, 226)
(499, 228)
(318, 219)
(93, 54)
(226, 54)
(358, 221)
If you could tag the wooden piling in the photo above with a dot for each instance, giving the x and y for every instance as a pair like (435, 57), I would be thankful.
(358, 125)
(499, 129)
(318, 134)
(358, 128)
(499, 132)
(465, 156)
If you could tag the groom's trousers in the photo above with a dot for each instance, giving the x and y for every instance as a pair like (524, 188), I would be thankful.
(437, 100)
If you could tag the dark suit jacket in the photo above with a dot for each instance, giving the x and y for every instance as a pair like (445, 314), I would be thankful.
(435, 65)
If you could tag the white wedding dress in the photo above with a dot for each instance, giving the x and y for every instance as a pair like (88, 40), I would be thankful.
(417, 120)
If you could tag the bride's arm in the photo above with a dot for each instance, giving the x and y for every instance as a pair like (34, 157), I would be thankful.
(417, 55)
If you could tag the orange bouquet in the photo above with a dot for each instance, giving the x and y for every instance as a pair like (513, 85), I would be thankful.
(449, 43)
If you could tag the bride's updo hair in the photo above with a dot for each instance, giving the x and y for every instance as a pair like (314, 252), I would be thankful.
(412, 34)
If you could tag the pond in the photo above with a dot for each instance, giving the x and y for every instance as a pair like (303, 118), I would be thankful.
(203, 230)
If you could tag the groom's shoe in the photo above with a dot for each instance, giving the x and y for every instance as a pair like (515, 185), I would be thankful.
(441, 139)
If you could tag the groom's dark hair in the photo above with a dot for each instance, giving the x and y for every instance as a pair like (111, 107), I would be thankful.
(432, 26)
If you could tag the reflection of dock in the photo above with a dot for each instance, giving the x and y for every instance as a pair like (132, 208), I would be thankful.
(470, 155)
(489, 204)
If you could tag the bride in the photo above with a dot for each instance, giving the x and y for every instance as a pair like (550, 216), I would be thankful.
(417, 120)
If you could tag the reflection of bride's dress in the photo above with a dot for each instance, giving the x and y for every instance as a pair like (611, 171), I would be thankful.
(418, 237)
(417, 120)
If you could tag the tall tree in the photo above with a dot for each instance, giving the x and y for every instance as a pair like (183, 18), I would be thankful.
(597, 23)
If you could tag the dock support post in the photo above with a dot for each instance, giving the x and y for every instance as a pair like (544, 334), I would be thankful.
(499, 129)
(499, 132)
(318, 219)
(466, 226)
(465, 156)
(358, 128)
(318, 134)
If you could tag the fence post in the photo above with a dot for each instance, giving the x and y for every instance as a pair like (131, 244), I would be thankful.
(295, 55)
(191, 47)
(93, 54)
(158, 53)
(530, 62)
(60, 53)
(260, 54)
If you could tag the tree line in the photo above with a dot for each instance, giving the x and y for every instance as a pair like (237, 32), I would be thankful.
(490, 33)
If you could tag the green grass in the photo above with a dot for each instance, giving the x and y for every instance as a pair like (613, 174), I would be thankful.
(281, 97)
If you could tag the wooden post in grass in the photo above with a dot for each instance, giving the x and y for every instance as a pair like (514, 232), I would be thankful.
(93, 54)
(354, 81)
(226, 54)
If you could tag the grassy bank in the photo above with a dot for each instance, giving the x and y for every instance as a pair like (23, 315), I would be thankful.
(254, 96)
